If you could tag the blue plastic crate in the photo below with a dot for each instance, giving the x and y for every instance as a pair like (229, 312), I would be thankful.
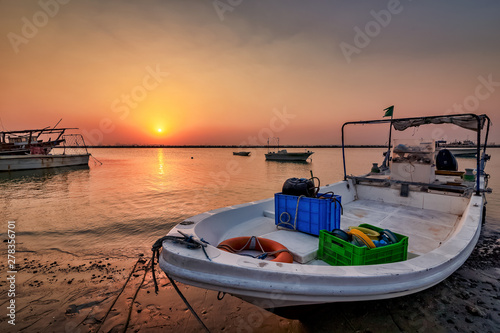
(313, 214)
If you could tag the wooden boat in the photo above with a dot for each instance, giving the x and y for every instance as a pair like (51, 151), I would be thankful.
(285, 156)
(441, 217)
(241, 153)
(34, 149)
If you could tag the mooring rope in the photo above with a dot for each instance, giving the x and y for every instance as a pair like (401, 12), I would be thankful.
(135, 296)
(156, 253)
(119, 294)
(187, 303)
(96, 159)
(187, 240)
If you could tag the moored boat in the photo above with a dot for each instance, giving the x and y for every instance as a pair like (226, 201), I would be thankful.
(35, 149)
(459, 149)
(284, 155)
(439, 213)
(241, 153)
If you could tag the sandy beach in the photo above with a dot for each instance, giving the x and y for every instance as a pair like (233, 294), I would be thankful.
(66, 292)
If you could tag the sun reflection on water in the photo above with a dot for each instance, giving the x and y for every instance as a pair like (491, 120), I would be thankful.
(161, 162)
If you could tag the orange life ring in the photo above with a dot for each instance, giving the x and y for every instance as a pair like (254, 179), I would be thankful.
(271, 247)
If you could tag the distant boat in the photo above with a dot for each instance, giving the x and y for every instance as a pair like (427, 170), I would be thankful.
(284, 155)
(27, 150)
(466, 148)
(241, 153)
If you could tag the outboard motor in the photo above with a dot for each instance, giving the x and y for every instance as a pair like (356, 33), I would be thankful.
(445, 160)
(299, 186)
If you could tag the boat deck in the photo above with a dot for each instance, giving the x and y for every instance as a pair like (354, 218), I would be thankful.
(426, 229)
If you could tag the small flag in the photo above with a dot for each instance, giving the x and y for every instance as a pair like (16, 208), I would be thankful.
(389, 111)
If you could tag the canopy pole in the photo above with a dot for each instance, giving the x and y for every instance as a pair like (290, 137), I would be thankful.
(478, 157)
(388, 153)
(343, 152)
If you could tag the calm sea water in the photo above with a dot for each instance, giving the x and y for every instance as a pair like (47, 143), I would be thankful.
(122, 206)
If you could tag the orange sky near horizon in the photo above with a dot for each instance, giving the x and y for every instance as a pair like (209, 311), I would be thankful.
(122, 70)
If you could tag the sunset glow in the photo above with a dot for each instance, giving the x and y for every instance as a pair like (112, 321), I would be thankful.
(181, 73)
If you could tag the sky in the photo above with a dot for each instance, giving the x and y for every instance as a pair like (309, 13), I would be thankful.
(230, 72)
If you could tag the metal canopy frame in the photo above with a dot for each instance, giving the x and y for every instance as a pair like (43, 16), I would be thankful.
(37, 132)
(428, 120)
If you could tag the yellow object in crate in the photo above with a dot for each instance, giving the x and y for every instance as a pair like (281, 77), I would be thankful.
(338, 252)
(372, 234)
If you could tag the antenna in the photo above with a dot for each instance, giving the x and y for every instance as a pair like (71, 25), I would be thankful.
(57, 123)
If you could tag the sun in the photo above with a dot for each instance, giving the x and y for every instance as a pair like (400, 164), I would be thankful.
(159, 130)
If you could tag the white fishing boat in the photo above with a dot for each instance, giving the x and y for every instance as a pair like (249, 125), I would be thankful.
(35, 149)
(460, 149)
(440, 213)
(463, 152)
(285, 156)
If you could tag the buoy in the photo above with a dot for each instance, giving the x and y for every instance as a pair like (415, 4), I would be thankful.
(238, 244)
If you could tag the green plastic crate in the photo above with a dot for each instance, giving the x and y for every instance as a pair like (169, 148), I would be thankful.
(338, 252)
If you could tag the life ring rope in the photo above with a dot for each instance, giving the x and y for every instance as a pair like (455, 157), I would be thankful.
(267, 247)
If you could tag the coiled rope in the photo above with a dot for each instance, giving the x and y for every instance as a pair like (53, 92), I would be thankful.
(287, 222)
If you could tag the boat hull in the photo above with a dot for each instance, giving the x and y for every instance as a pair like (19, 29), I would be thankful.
(32, 162)
(463, 152)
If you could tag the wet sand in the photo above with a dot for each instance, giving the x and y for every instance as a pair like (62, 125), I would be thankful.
(64, 292)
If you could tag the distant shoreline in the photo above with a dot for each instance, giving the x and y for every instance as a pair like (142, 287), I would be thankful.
(237, 146)
(247, 147)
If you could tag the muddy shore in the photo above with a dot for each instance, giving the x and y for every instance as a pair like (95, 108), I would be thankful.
(63, 292)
